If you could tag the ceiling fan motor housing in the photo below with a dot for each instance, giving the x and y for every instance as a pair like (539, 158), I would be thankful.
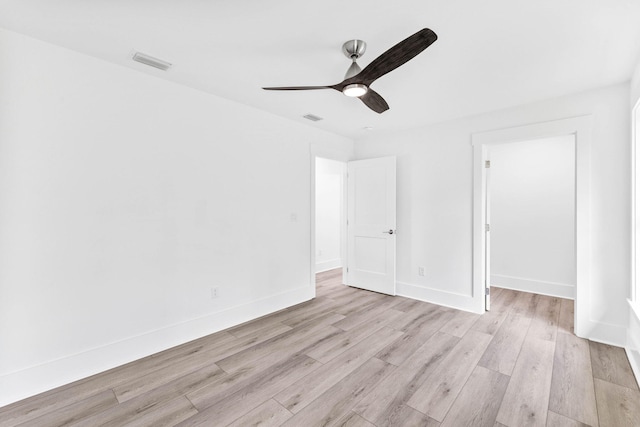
(353, 49)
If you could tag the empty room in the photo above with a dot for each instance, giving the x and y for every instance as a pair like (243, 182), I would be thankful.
(372, 213)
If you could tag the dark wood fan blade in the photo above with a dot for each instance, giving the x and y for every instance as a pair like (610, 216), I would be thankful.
(373, 100)
(396, 56)
(298, 88)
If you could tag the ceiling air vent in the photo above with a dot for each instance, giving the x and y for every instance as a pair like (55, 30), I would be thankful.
(312, 117)
(151, 61)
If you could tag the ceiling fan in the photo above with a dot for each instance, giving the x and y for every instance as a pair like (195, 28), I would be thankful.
(357, 82)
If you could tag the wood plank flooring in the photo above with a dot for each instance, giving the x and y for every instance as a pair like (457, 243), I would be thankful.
(356, 358)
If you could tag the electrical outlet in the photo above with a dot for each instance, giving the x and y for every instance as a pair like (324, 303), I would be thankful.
(420, 271)
(214, 293)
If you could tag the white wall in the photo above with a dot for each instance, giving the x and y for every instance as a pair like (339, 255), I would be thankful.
(329, 213)
(435, 194)
(532, 202)
(123, 199)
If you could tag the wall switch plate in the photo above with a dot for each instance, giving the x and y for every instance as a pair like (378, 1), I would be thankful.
(214, 293)
(420, 271)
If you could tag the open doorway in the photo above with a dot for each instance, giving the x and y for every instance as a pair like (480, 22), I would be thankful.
(531, 238)
(330, 221)
(354, 223)
(580, 128)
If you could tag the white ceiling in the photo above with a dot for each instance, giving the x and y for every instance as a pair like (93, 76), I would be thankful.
(490, 54)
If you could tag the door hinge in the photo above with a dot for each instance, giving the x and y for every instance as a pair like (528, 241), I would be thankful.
(487, 227)
(487, 163)
(347, 269)
(487, 291)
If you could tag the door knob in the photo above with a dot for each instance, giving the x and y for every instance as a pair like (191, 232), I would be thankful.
(389, 232)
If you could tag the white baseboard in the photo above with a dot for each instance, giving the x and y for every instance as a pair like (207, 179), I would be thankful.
(328, 265)
(633, 340)
(439, 297)
(634, 361)
(554, 289)
(31, 381)
(604, 333)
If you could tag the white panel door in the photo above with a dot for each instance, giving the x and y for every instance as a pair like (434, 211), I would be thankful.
(371, 227)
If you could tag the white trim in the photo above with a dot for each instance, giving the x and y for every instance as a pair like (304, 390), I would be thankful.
(37, 379)
(632, 345)
(607, 333)
(635, 162)
(634, 361)
(344, 252)
(328, 265)
(635, 311)
(554, 289)
(581, 128)
(312, 222)
(438, 296)
(633, 339)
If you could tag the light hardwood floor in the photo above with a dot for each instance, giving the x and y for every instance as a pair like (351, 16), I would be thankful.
(357, 358)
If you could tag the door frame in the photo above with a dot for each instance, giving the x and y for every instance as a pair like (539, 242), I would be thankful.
(580, 127)
(635, 201)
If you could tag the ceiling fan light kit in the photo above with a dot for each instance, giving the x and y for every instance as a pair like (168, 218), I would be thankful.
(355, 90)
(357, 82)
